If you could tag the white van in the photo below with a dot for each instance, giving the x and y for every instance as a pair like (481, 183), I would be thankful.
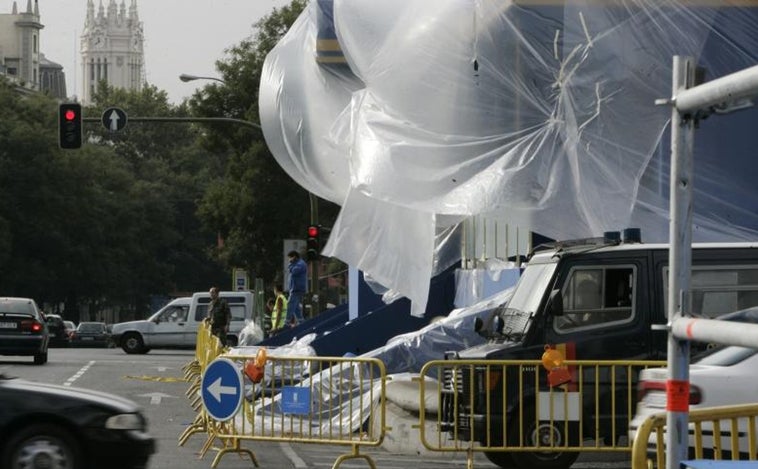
(175, 325)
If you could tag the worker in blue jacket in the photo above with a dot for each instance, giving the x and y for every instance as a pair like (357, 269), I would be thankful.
(298, 281)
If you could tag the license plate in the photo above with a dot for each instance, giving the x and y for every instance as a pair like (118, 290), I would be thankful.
(656, 399)
(8, 325)
(88, 338)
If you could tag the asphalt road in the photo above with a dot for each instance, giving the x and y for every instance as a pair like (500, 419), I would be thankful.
(155, 382)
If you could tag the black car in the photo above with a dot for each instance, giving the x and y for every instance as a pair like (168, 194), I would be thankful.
(91, 334)
(45, 425)
(57, 330)
(22, 329)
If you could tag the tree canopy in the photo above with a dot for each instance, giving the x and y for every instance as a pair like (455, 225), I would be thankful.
(141, 211)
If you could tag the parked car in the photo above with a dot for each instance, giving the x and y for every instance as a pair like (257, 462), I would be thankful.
(57, 330)
(70, 327)
(724, 375)
(44, 425)
(91, 334)
(23, 330)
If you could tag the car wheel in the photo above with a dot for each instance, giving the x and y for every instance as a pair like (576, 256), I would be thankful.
(41, 445)
(40, 358)
(542, 434)
(132, 343)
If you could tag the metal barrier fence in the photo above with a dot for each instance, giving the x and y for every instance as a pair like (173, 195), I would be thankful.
(507, 406)
(715, 433)
(318, 400)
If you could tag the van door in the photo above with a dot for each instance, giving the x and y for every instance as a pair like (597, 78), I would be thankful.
(170, 326)
(605, 310)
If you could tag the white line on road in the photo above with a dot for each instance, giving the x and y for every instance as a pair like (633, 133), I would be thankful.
(292, 455)
(79, 373)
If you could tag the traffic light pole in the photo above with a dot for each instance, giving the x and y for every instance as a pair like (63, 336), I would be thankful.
(316, 263)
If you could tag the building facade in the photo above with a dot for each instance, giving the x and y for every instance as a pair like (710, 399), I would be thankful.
(112, 48)
(20, 45)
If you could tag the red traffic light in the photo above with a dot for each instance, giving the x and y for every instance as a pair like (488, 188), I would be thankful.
(313, 231)
(69, 115)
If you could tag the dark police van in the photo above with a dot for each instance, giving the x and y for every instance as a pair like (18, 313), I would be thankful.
(594, 299)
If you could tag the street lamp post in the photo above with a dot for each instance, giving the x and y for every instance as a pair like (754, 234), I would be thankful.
(186, 77)
(311, 197)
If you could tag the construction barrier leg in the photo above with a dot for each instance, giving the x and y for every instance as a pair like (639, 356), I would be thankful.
(354, 455)
(232, 445)
(196, 427)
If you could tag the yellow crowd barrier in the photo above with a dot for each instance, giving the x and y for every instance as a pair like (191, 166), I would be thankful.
(589, 412)
(316, 400)
(726, 432)
(207, 348)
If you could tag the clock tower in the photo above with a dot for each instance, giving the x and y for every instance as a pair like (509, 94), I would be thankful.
(112, 48)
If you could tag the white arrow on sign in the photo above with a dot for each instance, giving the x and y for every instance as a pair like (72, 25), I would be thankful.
(155, 397)
(114, 118)
(216, 389)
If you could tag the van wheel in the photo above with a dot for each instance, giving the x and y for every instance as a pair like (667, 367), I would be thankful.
(544, 434)
(132, 343)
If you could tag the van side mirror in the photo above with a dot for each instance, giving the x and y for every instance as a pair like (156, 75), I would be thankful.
(555, 303)
(478, 324)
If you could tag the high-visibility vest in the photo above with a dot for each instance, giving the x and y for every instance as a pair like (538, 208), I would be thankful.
(279, 313)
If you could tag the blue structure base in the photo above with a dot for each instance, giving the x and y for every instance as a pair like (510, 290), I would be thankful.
(336, 335)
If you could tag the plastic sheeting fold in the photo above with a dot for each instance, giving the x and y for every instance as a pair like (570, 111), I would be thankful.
(538, 113)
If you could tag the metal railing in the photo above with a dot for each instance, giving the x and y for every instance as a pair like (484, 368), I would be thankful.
(317, 400)
(508, 406)
(726, 432)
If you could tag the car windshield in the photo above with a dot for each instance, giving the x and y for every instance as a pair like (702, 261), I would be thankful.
(727, 356)
(16, 307)
(91, 327)
(526, 299)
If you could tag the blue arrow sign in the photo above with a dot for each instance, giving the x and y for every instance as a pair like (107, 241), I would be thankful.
(221, 389)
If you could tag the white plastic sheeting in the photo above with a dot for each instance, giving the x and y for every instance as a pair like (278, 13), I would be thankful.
(342, 396)
(541, 114)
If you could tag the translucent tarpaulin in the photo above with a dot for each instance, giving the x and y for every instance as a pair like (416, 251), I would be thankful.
(343, 396)
(539, 113)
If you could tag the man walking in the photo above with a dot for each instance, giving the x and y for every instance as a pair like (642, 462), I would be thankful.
(298, 274)
(220, 315)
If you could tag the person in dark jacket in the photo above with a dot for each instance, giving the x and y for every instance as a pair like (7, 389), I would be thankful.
(220, 315)
(298, 279)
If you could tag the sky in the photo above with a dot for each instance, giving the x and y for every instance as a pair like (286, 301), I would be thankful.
(181, 36)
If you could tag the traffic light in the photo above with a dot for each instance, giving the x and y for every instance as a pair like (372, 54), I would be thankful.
(70, 126)
(313, 243)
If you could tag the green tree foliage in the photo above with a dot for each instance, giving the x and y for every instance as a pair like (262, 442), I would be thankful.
(106, 225)
(255, 205)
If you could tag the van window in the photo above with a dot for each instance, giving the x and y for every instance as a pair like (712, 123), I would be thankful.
(595, 296)
(718, 290)
(237, 310)
(175, 313)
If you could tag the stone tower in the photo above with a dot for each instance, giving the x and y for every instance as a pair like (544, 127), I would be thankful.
(112, 48)
(20, 45)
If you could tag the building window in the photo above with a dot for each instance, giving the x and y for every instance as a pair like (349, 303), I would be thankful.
(35, 44)
(12, 71)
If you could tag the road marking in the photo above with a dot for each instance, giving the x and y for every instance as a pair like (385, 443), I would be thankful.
(79, 373)
(155, 397)
(292, 455)
(162, 379)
